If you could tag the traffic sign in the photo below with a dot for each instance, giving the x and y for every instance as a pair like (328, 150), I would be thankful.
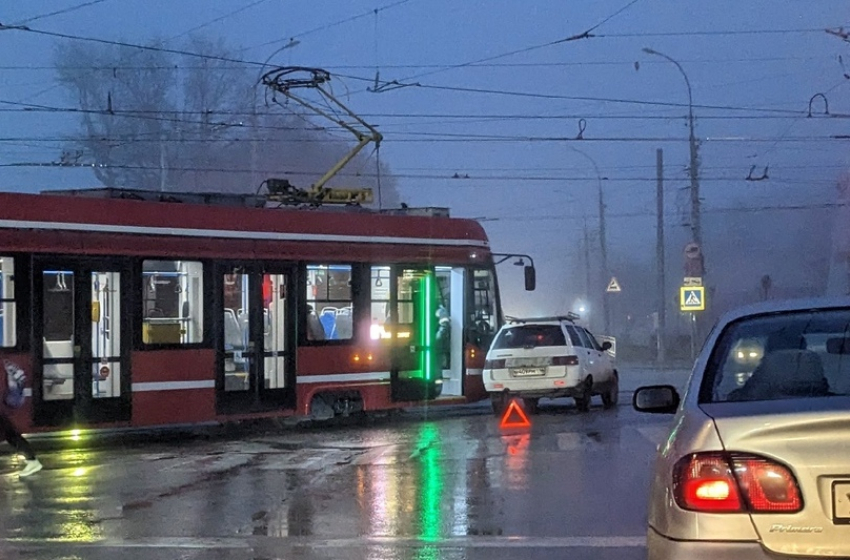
(692, 298)
(692, 281)
(514, 417)
(694, 260)
(614, 286)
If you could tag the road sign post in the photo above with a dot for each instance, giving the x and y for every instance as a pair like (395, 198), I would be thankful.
(691, 301)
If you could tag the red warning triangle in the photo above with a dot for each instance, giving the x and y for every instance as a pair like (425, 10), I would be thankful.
(514, 417)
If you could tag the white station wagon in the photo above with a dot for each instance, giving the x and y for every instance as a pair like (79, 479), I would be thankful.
(549, 357)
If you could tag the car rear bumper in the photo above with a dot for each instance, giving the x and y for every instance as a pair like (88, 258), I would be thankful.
(552, 385)
(662, 548)
(541, 393)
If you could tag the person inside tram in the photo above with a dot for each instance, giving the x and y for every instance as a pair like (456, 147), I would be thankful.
(444, 336)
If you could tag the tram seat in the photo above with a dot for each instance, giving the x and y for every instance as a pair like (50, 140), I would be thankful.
(233, 339)
(55, 375)
(328, 320)
(344, 324)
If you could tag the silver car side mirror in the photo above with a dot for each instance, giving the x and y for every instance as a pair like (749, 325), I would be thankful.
(656, 399)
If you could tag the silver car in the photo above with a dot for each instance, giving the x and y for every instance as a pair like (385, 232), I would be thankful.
(757, 463)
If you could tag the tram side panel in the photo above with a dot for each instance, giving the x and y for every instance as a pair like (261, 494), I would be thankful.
(173, 386)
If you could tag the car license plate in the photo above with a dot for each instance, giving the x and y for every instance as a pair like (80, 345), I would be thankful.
(527, 371)
(841, 502)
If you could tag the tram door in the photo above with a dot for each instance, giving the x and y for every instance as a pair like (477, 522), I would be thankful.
(416, 370)
(82, 342)
(257, 339)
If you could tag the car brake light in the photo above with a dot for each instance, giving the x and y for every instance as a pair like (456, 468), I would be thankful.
(704, 482)
(494, 364)
(728, 483)
(565, 361)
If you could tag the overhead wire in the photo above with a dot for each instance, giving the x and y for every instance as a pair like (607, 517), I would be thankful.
(415, 66)
(650, 214)
(583, 35)
(597, 99)
(68, 36)
(328, 26)
(462, 117)
(423, 137)
(60, 12)
(711, 33)
(465, 182)
(219, 18)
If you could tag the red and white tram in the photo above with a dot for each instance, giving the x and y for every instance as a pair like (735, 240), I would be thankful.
(207, 308)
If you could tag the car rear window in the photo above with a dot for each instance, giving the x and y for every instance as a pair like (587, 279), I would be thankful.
(781, 356)
(530, 336)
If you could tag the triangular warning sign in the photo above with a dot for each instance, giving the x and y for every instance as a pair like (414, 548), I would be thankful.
(693, 299)
(614, 286)
(514, 417)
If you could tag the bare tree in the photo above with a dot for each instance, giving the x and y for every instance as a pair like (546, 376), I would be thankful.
(154, 120)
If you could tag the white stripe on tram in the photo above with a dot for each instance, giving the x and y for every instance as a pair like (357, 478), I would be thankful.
(235, 234)
(173, 385)
(142, 387)
(343, 377)
(147, 386)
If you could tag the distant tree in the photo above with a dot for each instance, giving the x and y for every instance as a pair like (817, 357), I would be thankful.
(155, 120)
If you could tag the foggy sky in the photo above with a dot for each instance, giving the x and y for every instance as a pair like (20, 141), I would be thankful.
(732, 52)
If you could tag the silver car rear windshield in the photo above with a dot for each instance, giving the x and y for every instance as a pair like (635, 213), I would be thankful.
(530, 336)
(781, 356)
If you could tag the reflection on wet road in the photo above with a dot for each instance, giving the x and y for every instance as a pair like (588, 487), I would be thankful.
(426, 486)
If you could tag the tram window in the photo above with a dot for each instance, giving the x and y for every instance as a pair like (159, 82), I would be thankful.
(406, 290)
(403, 316)
(8, 322)
(172, 302)
(380, 302)
(484, 319)
(329, 302)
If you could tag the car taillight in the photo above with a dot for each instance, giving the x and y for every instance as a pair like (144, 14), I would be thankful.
(494, 364)
(565, 361)
(704, 482)
(733, 482)
(768, 486)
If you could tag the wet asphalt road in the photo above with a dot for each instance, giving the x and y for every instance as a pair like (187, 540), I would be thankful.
(426, 484)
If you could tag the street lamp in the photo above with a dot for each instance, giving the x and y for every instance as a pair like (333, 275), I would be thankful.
(696, 229)
(603, 244)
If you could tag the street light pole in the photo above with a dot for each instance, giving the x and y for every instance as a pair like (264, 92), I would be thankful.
(696, 226)
(603, 244)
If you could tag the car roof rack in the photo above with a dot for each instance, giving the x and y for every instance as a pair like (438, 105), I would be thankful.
(571, 317)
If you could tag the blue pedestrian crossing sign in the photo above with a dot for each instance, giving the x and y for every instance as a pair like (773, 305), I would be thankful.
(692, 298)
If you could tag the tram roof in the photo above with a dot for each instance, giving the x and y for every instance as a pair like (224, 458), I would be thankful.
(234, 212)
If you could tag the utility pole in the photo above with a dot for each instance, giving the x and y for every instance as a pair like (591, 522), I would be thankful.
(603, 245)
(605, 272)
(696, 221)
(659, 255)
(163, 168)
(587, 281)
